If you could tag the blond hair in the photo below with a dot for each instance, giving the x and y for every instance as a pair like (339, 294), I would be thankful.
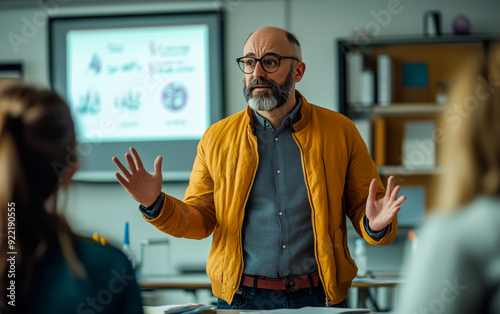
(471, 135)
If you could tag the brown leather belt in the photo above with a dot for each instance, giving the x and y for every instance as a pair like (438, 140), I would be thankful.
(289, 284)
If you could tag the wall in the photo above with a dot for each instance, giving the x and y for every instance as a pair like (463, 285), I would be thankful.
(317, 23)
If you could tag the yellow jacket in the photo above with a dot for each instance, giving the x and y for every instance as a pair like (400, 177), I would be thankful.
(337, 169)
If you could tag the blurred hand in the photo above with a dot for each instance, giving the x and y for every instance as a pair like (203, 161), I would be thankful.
(381, 212)
(140, 184)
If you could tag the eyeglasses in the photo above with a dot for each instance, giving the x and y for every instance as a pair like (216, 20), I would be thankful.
(270, 63)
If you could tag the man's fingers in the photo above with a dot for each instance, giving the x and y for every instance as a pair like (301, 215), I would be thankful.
(122, 180)
(400, 200)
(372, 192)
(393, 210)
(394, 193)
(131, 164)
(390, 185)
(137, 159)
(158, 161)
(396, 210)
(121, 167)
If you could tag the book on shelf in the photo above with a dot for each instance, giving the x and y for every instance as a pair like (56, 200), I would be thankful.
(354, 66)
(367, 88)
(384, 80)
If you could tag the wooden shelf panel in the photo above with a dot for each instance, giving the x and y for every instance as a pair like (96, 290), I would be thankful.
(397, 109)
(402, 170)
(413, 40)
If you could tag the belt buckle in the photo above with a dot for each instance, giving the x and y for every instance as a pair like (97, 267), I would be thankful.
(290, 284)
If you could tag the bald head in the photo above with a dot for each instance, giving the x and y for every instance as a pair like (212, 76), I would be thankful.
(274, 36)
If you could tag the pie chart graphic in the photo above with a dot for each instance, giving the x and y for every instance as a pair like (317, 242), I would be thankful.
(174, 96)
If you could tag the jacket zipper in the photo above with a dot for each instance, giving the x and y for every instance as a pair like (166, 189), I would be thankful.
(241, 225)
(327, 299)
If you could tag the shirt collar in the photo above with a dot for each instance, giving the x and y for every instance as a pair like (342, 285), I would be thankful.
(289, 120)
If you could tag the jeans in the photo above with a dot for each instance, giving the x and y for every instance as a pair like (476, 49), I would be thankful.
(263, 299)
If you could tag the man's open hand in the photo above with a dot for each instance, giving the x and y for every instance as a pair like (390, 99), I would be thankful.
(381, 212)
(140, 184)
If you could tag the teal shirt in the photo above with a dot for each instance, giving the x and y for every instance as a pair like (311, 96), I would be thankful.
(109, 287)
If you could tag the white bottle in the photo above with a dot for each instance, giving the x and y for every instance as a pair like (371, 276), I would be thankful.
(126, 248)
(360, 257)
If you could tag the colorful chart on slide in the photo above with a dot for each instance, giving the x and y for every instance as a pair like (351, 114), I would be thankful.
(139, 84)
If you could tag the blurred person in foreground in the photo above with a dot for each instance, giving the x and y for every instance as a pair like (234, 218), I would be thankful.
(456, 268)
(46, 267)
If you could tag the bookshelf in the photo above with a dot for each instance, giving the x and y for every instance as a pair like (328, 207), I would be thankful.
(407, 101)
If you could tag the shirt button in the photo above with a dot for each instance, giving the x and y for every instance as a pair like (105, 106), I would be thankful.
(283, 246)
(267, 124)
(280, 213)
(276, 139)
(278, 171)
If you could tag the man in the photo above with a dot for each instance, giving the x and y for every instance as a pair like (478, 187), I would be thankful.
(273, 183)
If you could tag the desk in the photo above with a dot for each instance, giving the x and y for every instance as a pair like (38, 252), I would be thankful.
(182, 282)
(364, 285)
(196, 282)
(193, 283)
(243, 311)
(189, 283)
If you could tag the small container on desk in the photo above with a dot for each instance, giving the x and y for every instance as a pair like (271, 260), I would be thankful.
(155, 256)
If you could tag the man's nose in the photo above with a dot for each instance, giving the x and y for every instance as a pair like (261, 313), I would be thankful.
(259, 72)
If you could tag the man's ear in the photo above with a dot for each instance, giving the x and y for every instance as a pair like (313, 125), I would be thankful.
(300, 68)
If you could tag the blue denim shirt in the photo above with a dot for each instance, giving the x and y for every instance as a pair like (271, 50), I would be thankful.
(278, 238)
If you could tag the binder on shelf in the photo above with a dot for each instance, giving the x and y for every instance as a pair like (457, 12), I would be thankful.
(379, 127)
(354, 65)
(367, 93)
(384, 80)
(419, 148)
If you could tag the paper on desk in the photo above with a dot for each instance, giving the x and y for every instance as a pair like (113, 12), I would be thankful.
(315, 310)
(180, 308)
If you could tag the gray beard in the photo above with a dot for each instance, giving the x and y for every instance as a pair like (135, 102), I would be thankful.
(265, 101)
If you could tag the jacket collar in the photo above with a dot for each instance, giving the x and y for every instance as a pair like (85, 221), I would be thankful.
(305, 111)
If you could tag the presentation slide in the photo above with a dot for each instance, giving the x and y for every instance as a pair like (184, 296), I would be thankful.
(139, 84)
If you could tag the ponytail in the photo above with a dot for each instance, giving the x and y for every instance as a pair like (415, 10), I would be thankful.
(36, 129)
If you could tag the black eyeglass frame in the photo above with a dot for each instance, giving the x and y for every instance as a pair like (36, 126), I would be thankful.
(263, 67)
